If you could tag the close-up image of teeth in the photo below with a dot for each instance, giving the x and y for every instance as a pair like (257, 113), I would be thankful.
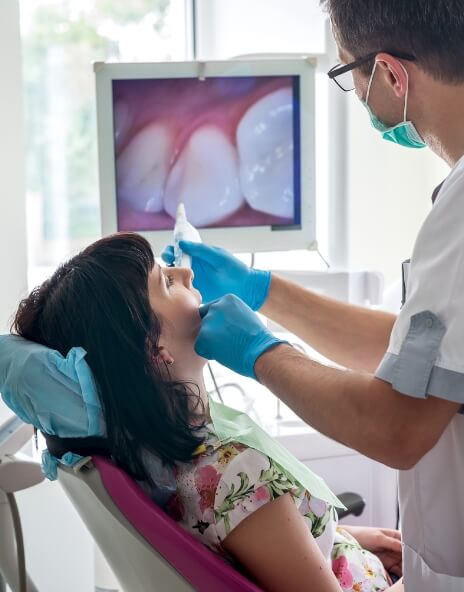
(224, 147)
(265, 147)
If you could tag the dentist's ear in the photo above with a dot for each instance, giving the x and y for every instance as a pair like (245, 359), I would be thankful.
(394, 72)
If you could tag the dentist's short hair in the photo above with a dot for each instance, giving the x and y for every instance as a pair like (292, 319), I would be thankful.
(431, 30)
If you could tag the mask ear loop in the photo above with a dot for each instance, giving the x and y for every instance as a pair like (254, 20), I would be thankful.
(406, 100)
(371, 80)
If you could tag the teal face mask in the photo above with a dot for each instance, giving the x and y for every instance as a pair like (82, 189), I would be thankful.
(404, 133)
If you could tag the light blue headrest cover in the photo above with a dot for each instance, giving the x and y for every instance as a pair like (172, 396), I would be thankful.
(55, 394)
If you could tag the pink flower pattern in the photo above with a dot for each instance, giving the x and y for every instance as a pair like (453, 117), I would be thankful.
(261, 494)
(206, 482)
(342, 572)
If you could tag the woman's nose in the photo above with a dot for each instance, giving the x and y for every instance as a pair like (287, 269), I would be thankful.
(187, 275)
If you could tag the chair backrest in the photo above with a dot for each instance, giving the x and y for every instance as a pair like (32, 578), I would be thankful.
(145, 548)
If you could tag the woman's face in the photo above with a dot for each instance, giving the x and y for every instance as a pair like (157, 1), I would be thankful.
(175, 302)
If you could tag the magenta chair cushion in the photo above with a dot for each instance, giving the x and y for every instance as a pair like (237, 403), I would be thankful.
(203, 569)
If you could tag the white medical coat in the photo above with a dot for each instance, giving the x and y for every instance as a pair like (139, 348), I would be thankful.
(426, 357)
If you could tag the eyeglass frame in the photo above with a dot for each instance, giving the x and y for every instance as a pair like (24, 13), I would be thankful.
(340, 69)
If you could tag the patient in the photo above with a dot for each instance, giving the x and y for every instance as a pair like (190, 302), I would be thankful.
(138, 322)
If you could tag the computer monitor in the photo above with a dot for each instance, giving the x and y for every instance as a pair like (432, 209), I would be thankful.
(232, 140)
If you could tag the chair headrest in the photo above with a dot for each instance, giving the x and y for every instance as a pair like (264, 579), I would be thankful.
(55, 394)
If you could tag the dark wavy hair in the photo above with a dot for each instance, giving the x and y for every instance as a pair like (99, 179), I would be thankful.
(99, 300)
(430, 30)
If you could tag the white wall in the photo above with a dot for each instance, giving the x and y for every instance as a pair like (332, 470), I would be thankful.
(388, 187)
(12, 195)
(390, 190)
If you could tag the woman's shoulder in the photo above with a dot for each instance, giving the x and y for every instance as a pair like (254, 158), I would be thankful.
(199, 482)
(228, 481)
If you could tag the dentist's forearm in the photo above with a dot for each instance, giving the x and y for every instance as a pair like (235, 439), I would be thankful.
(352, 336)
(354, 408)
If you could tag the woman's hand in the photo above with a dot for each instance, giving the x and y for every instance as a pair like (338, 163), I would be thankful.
(383, 542)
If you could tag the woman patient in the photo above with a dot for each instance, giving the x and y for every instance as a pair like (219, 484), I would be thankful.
(138, 323)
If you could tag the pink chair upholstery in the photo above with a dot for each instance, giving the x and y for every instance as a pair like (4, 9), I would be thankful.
(204, 570)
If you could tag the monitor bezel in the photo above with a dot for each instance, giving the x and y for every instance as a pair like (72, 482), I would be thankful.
(236, 239)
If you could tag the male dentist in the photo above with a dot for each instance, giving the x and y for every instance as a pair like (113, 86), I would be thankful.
(401, 400)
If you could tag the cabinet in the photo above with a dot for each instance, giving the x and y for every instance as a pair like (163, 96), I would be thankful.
(344, 470)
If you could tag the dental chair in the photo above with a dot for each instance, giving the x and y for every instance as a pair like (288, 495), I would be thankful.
(145, 548)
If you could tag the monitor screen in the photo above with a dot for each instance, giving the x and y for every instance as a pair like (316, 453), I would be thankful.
(233, 140)
(228, 147)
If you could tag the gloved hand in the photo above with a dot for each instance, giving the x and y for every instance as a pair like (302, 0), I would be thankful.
(218, 273)
(232, 334)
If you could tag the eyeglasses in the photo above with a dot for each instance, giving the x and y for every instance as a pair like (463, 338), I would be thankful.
(342, 74)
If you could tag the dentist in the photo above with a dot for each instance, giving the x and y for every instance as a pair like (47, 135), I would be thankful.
(401, 400)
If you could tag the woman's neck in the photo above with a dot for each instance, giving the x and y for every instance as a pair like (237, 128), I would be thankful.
(192, 375)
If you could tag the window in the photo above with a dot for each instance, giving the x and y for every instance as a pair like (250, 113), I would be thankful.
(61, 39)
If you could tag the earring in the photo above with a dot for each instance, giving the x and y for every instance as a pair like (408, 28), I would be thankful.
(165, 356)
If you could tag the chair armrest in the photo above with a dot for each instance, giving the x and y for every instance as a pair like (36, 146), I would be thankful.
(354, 503)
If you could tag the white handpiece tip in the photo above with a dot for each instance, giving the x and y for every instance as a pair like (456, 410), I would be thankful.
(183, 230)
(180, 214)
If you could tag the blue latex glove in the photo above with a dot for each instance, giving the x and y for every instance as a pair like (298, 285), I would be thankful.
(232, 334)
(218, 273)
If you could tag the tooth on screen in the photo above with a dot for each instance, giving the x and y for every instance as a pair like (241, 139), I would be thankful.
(205, 178)
(265, 149)
(142, 168)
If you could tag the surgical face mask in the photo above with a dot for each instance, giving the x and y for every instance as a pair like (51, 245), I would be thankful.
(404, 133)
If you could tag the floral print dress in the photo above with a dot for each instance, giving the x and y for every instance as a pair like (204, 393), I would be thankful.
(225, 483)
